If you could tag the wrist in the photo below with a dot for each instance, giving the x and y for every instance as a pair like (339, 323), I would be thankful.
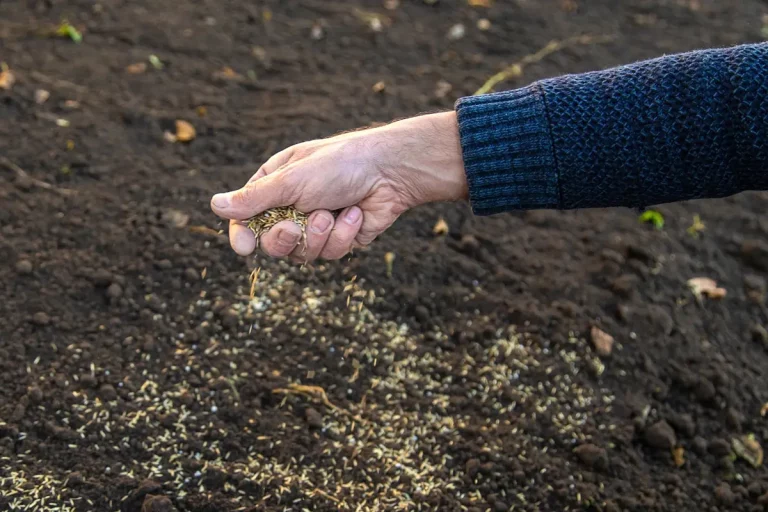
(425, 153)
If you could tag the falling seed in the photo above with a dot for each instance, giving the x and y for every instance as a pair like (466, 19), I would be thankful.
(156, 62)
(137, 68)
(441, 227)
(185, 132)
(389, 259)
(41, 96)
(457, 32)
(204, 273)
(63, 123)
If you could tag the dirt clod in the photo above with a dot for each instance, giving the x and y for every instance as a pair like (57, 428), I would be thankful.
(114, 291)
(41, 318)
(660, 436)
(602, 342)
(24, 267)
(592, 456)
(724, 494)
(719, 447)
(153, 503)
(755, 253)
(314, 418)
(683, 424)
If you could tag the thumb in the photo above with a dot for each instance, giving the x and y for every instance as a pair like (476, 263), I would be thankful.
(255, 197)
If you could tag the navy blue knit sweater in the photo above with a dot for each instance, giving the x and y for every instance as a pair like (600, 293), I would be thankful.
(679, 127)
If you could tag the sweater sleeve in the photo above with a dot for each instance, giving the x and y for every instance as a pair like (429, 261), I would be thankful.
(680, 127)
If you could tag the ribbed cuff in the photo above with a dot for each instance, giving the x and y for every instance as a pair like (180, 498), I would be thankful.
(508, 154)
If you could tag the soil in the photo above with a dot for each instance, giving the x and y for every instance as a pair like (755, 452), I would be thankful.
(137, 375)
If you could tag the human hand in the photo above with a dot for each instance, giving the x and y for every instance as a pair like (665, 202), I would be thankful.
(372, 176)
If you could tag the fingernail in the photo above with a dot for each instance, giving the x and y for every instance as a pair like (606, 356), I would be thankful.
(353, 215)
(320, 223)
(287, 237)
(221, 201)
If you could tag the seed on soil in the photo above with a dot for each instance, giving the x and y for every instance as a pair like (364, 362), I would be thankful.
(440, 228)
(41, 96)
(592, 456)
(678, 456)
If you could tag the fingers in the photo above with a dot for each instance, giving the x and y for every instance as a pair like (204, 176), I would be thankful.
(342, 237)
(241, 238)
(271, 191)
(281, 239)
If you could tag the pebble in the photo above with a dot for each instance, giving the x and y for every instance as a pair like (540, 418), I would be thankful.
(660, 435)
(154, 503)
(719, 447)
(705, 390)
(273, 294)
(592, 456)
(724, 494)
(24, 267)
(755, 488)
(314, 418)
(115, 291)
(755, 254)
(683, 424)
(35, 394)
(41, 318)
(164, 264)
(602, 341)
(107, 392)
(191, 275)
(624, 286)
(734, 419)
(422, 314)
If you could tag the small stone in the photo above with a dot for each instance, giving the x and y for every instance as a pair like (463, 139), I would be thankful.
(661, 436)
(24, 267)
(422, 314)
(592, 456)
(602, 341)
(273, 294)
(625, 286)
(755, 254)
(74, 479)
(457, 32)
(191, 275)
(734, 419)
(314, 418)
(41, 96)
(108, 392)
(684, 424)
(724, 494)
(705, 391)
(35, 394)
(115, 291)
(153, 503)
(755, 488)
(719, 447)
(41, 318)
(164, 264)
(699, 445)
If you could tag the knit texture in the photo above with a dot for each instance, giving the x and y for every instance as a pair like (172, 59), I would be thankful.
(680, 127)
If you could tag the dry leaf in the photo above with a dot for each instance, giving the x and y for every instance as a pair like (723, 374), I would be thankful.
(185, 132)
(41, 96)
(748, 449)
(678, 455)
(602, 341)
(704, 286)
(137, 68)
(7, 79)
(441, 227)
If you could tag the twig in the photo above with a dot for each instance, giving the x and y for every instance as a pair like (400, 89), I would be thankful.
(24, 176)
(516, 69)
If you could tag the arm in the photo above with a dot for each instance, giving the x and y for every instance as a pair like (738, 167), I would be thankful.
(680, 127)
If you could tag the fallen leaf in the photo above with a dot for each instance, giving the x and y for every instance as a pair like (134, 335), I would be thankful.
(379, 87)
(678, 455)
(704, 286)
(441, 227)
(185, 132)
(602, 341)
(137, 68)
(41, 96)
(7, 79)
(748, 449)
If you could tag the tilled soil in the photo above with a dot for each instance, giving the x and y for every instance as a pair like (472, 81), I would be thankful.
(136, 373)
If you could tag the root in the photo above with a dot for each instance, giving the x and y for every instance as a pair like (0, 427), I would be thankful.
(25, 177)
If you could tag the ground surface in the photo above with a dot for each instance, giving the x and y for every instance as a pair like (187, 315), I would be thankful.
(135, 374)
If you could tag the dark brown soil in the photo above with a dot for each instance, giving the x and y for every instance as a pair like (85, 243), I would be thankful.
(136, 375)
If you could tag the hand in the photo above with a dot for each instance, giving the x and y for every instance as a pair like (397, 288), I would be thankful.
(372, 176)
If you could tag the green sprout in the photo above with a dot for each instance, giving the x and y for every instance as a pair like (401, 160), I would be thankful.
(68, 30)
(156, 62)
(697, 227)
(653, 217)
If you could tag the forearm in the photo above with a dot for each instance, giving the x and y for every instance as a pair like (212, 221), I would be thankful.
(680, 127)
